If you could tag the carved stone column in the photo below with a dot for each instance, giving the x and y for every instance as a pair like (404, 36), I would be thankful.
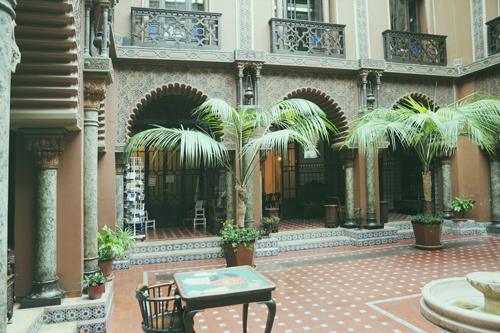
(94, 93)
(119, 171)
(446, 170)
(87, 46)
(241, 67)
(363, 74)
(494, 227)
(371, 198)
(47, 149)
(7, 47)
(348, 158)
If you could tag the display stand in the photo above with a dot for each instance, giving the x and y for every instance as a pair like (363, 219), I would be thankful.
(134, 197)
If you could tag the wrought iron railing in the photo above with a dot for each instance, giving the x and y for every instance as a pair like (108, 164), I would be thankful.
(414, 48)
(175, 28)
(493, 36)
(307, 37)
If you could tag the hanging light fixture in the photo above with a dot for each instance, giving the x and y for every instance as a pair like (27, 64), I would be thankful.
(249, 88)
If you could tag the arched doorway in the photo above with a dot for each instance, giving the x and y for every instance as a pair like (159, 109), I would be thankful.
(300, 183)
(400, 175)
(171, 189)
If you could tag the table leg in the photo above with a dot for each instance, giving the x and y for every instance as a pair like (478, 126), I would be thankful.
(188, 319)
(271, 312)
(245, 317)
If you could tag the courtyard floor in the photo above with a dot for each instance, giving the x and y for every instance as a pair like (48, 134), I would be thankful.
(343, 289)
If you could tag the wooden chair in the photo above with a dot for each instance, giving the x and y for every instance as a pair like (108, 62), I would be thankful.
(199, 215)
(149, 223)
(161, 310)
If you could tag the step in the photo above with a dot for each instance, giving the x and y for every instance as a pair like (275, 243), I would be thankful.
(66, 327)
(314, 243)
(307, 234)
(406, 234)
(375, 241)
(176, 244)
(146, 258)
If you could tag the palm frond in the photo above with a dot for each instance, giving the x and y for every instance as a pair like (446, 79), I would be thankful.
(195, 147)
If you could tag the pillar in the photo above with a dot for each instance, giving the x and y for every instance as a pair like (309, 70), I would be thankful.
(86, 48)
(240, 66)
(229, 195)
(94, 92)
(371, 198)
(446, 171)
(47, 149)
(350, 221)
(364, 82)
(105, 30)
(119, 171)
(7, 60)
(249, 215)
(494, 227)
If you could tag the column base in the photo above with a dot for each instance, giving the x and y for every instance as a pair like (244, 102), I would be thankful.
(493, 229)
(373, 225)
(350, 224)
(447, 214)
(43, 294)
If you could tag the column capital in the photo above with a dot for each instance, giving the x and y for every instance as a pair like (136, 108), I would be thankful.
(8, 7)
(94, 92)
(363, 74)
(46, 148)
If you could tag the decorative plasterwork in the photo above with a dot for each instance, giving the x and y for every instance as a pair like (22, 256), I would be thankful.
(46, 147)
(363, 43)
(245, 29)
(151, 53)
(480, 65)
(394, 67)
(134, 82)
(94, 93)
(372, 64)
(441, 93)
(98, 67)
(488, 83)
(278, 84)
(310, 61)
(478, 29)
(249, 55)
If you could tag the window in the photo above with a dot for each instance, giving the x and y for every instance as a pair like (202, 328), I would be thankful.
(404, 15)
(309, 10)
(197, 5)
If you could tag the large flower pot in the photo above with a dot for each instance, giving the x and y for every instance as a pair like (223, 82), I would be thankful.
(95, 292)
(427, 236)
(240, 256)
(106, 267)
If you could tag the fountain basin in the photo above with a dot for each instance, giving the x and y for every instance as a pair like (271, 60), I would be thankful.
(456, 306)
(489, 284)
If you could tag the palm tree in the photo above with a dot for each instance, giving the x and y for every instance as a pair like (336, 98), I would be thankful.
(244, 130)
(431, 133)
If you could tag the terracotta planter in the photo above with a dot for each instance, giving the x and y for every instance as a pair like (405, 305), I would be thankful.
(240, 256)
(106, 267)
(427, 236)
(95, 292)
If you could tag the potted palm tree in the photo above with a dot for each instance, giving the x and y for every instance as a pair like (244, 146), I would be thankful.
(430, 133)
(241, 133)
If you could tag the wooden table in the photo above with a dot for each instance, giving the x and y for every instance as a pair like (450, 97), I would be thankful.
(224, 287)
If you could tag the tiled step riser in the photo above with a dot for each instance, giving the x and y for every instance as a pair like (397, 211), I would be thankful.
(305, 234)
(322, 243)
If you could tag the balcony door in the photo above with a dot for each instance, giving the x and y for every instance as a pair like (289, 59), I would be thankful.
(197, 5)
(404, 15)
(307, 10)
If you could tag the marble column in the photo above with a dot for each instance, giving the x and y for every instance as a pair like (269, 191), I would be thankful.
(350, 221)
(119, 187)
(94, 92)
(250, 214)
(229, 195)
(446, 171)
(7, 45)
(371, 198)
(47, 149)
(105, 30)
(494, 227)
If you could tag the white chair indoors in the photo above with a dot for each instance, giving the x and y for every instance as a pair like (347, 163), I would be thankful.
(199, 215)
(149, 223)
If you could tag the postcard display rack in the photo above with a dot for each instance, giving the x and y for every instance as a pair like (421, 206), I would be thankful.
(134, 197)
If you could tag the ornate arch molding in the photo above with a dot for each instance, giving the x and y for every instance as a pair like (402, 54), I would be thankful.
(188, 91)
(333, 111)
(421, 98)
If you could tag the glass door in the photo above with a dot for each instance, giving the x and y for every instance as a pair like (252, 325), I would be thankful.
(404, 15)
(307, 10)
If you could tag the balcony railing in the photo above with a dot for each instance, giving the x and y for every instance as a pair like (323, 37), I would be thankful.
(306, 37)
(414, 48)
(493, 36)
(175, 28)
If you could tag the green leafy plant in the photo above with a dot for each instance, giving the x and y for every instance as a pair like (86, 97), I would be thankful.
(269, 224)
(94, 280)
(462, 205)
(229, 137)
(109, 245)
(126, 237)
(426, 219)
(429, 132)
(234, 236)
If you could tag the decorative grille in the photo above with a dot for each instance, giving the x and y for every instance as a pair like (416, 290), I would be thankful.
(414, 48)
(313, 38)
(175, 28)
(493, 36)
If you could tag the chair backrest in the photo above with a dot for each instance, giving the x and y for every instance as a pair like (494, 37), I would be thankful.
(198, 204)
(160, 311)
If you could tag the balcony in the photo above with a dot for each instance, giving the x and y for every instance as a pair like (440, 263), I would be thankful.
(493, 36)
(175, 28)
(306, 37)
(414, 48)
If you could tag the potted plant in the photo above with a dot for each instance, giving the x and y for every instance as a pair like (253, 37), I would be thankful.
(238, 244)
(269, 224)
(427, 230)
(461, 206)
(110, 247)
(95, 284)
